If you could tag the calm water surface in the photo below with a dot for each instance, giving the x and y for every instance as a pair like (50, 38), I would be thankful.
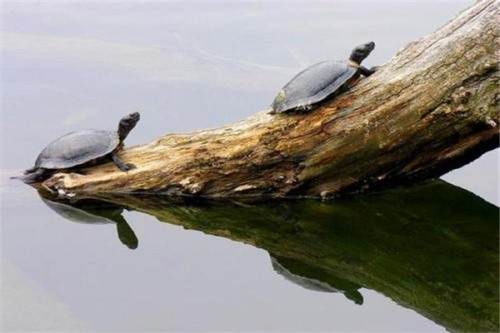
(415, 259)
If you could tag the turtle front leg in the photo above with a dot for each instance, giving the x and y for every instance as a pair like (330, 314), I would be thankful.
(122, 165)
(367, 72)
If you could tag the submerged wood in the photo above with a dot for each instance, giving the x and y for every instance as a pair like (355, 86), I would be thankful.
(430, 109)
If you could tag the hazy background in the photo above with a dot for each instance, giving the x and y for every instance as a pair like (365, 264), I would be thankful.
(185, 66)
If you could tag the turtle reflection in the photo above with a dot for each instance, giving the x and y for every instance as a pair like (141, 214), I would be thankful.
(312, 278)
(90, 211)
(431, 247)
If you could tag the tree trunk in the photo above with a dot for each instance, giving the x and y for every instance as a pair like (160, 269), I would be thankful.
(430, 109)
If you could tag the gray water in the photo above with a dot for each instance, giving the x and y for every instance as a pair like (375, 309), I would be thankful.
(185, 67)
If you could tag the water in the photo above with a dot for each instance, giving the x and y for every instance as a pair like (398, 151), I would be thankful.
(419, 259)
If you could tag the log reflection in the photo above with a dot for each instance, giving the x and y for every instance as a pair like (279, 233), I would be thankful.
(431, 247)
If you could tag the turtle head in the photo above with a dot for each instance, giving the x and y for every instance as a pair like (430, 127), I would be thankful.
(127, 123)
(361, 52)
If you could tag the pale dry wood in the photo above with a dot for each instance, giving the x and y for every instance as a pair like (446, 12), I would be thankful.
(431, 108)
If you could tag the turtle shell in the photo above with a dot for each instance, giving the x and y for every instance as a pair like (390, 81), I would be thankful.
(77, 148)
(313, 85)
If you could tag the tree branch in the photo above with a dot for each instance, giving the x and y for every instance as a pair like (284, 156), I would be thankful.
(431, 108)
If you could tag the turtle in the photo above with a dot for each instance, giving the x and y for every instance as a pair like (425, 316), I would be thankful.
(80, 148)
(322, 80)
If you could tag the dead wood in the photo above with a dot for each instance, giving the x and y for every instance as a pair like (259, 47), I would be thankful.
(432, 108)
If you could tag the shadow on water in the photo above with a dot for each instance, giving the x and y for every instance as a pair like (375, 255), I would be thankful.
(431, 247)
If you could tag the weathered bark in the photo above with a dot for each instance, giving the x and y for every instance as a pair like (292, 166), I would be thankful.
(431, 108)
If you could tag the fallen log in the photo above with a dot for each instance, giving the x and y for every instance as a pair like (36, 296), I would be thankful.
(432, 108)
